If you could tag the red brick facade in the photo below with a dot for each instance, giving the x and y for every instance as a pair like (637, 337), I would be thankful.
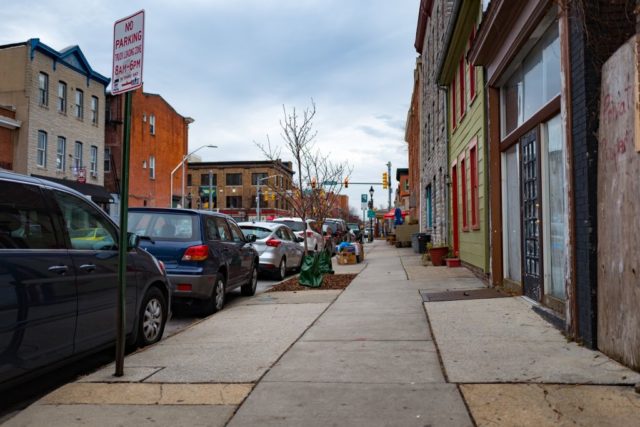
(412, 136)
(7, 136)
(158, 134)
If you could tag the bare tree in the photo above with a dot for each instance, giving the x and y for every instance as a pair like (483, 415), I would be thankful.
(319, 180)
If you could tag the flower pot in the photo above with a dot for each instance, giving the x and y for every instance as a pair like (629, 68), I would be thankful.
(438, 254)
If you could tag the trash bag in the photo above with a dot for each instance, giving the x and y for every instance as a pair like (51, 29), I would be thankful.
(311, 272)
(325, 262)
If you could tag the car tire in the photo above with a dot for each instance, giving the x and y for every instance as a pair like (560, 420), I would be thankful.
(153, 318)
(216, 302)
(281, 273)
(249, 289)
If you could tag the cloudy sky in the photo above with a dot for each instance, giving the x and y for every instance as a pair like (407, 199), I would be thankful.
(233, 64)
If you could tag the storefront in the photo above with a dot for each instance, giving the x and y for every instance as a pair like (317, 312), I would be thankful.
(528, 151)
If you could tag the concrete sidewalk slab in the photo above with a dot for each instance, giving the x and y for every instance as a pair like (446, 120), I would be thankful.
(358, 362)
(358, 325)
(546, 405)
(294, 297)
(503, 340)
(123, 415)
(357, 405)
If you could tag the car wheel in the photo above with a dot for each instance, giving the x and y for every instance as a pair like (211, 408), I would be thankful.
(217, 299)
(153, 317)
(249, 288)
(282, 269)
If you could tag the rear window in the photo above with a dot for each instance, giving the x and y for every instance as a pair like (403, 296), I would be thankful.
(294, 225)
(259, 232)
(164, 226)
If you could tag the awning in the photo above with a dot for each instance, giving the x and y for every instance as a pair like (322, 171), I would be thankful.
(97, 193)
(392, 213)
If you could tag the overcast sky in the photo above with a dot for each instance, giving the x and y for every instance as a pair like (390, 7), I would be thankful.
(232, 64)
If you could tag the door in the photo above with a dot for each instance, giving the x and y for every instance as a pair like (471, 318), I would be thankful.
(37, 284)
(531, 214)
(454, 209)
(92, 240)
(245, 251)
(230, 253)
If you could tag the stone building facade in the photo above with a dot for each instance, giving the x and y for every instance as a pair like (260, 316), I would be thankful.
(433, 21)
(59, 100)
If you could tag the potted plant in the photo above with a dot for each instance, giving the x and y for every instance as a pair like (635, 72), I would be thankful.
(438, 254)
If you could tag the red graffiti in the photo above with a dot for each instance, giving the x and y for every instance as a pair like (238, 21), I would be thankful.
(613, 150)
(618, 105)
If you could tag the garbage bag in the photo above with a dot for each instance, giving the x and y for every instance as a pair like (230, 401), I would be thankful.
(325, 262)
(311, 273)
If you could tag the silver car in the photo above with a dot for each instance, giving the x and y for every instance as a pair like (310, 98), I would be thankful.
(277, 246)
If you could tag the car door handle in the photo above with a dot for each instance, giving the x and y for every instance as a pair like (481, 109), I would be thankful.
(88, 267)
(60, 269)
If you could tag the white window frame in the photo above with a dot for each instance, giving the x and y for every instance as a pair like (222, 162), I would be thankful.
(43, 89)
(152, 167)
(152, 124)
(41, 157)
(93, 165)
(77, 155)
(62, 97)
(94, 109)
(61, 153)
(79, 104)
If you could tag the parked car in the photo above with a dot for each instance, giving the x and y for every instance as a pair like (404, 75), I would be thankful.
(354, 227)
(315, 241)
(278, 247)
(205, 253)
(339, 229)
(58, 293)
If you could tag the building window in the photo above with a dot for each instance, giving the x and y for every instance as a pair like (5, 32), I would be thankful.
(461, 73)
(189, 184)
(234, 179)
(152, 167)
(429, 209)
(204, 179)
(472, 69)
(258, 176)
(41, 158)
(453, 104)
(406, 185)
(79, 104)
(107, 159)
(77, 157)
(463, 191)
(234, 202)
(93, 166)
(61, 153)
(152, 124)
(62, 97)
(94, 110)
(473, 177)
(43, 89)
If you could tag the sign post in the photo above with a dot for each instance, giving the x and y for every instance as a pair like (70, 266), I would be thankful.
(128, 50)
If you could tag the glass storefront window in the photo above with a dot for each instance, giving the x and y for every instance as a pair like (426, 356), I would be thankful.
(511, 213)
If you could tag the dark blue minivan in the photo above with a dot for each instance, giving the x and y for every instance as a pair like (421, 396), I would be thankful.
(205, 253)
(59, 279)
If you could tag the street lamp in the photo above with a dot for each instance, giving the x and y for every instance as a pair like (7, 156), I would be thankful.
(184, 159)
(258, 183)
(371, 219)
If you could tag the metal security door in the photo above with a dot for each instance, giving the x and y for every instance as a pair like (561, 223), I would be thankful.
(531, 236)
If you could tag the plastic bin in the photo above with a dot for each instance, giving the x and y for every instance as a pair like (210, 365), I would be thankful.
(422, 240)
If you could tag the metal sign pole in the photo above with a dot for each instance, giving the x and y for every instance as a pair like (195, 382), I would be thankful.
(123, 241)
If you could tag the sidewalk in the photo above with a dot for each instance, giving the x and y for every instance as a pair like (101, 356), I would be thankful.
(362, 357)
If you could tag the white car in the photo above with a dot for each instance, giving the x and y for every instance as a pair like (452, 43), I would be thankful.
(315, 241)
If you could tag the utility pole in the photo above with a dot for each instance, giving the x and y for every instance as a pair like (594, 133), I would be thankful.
(389, 183)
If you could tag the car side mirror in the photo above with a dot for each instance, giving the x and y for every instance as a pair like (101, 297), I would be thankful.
(299, 239)
(251, 238)
(133, 241)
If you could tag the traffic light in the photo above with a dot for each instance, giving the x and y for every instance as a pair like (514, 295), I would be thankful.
(273, 196)
(346, 183)
(313, 183)
(385, 180)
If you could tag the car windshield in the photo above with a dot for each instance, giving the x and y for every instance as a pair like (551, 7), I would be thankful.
(259, 232)
(164, 226)
(294, 225)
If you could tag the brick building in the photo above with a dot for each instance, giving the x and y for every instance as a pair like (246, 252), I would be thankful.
(159, 142)
(403, 192)
(412, 137)
(59, 101)
(433, 20)
(232, 187)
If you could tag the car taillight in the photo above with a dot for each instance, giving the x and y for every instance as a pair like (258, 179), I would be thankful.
(309, 233)
(273, 242)
(196, 253)
(183, 287)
